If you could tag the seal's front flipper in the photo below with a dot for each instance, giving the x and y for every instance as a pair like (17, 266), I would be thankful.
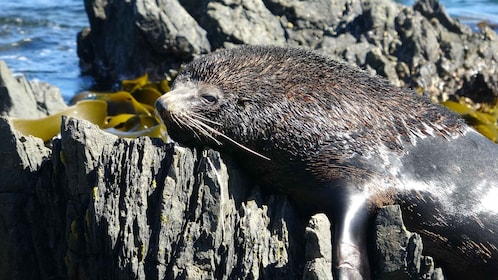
(351, 255)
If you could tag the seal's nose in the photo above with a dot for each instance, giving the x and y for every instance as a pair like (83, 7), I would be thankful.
(161, 106)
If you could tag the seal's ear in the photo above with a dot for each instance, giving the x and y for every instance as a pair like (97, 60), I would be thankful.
(243, 101)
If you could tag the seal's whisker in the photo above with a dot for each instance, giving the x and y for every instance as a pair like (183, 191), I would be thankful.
(205, 128)
(199, 116)
(202, 131)
(228, 138)
(179, 120)
(202, 128)
(240, 145)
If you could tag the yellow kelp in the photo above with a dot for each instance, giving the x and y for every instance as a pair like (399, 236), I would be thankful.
(45, 128)
(128, 112)
(482, 116)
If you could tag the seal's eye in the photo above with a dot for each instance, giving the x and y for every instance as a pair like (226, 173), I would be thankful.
(209, 99)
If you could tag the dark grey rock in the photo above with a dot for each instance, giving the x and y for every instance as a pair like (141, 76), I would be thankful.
(433, 9)
(169, 29)
(23, 158)
(420, 47)
(255, 24)
(307, 23)
(139, 209)
(318, 249)
(22, 99)
(114, 194)
(381, 64)
(398, 252)
(128, 39)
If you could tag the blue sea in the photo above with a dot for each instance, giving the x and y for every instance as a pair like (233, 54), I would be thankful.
(38, 37)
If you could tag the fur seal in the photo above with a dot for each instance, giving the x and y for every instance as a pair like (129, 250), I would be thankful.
(339, 140)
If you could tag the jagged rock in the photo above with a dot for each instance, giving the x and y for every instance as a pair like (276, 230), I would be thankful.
(420, 47)
(147, 36)
(23, 160)
(141, 209)
(22, 99)
(398, 252)
(252, 17)
(318, 249)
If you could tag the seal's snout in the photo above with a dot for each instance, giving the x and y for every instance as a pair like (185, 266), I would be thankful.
(161, 106)
(176, 101)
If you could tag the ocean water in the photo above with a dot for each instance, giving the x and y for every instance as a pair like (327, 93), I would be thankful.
(469, 12)
(38, 37)
(38, 40)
